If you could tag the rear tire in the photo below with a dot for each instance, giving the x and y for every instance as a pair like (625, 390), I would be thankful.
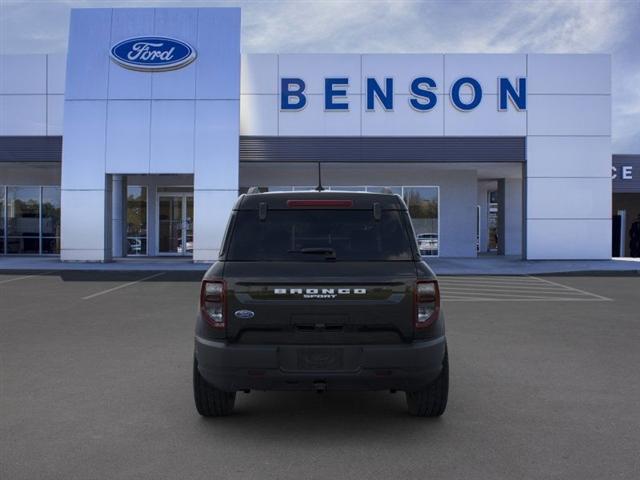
(432, 401)
(210, 402)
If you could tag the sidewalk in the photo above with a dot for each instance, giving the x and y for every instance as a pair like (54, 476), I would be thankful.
(485, 265)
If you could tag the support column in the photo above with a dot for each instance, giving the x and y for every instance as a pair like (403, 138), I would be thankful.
(510, 216)
(501, 216)
(513, 222)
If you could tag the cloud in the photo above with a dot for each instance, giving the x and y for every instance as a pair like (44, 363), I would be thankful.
(379, 26)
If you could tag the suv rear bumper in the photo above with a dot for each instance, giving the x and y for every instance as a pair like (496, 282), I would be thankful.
(232, 367)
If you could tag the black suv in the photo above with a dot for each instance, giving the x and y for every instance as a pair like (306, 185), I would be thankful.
(320, 291)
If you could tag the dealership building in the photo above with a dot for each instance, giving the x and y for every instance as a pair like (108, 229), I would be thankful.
(140, 138)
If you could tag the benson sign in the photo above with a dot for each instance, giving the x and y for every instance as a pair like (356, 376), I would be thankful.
(465, 94)
(152, 54)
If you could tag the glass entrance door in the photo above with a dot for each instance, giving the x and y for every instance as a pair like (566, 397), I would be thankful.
(175, 224)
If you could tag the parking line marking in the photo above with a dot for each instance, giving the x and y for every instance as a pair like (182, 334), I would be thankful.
(521, 299)
(490, 279)
(508, 288)
(501, 293)
(25, 277)
(124, 285)
(600, 297)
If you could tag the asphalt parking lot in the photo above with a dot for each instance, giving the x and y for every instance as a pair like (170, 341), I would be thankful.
(96, 383)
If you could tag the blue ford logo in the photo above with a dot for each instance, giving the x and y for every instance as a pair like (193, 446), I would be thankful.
(152, 54)
(244, 314)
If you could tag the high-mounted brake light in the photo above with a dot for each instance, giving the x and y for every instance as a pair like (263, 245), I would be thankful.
(427, 303)
(319, 203)
(213, 302)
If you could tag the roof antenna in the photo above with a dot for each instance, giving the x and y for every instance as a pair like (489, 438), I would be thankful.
(319, 188)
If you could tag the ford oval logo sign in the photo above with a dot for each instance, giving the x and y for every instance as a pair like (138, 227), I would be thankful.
(244, 314)
(152, 54)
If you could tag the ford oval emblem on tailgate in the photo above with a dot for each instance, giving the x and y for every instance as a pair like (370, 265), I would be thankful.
(244, 314)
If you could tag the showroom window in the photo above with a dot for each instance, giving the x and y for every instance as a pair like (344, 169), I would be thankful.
(50, 220)
(423, 203)
(30, 218)
(136, 220)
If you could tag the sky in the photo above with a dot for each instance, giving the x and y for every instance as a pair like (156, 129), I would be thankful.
(397, 26)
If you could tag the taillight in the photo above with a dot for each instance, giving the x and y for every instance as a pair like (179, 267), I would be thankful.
(212, 302)
(427, 302)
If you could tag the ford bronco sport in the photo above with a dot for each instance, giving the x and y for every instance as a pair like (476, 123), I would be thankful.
(320, 291)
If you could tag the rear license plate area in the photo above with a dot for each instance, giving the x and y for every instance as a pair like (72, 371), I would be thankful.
(320, 359)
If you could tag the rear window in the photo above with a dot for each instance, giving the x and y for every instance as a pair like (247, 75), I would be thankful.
(319, 235)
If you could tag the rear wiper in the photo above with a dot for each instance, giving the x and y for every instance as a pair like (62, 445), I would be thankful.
(329, 253)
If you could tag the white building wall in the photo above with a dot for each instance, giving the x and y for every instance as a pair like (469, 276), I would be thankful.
(108, 115)
(118, 121)
(569, 157)
(31, 94)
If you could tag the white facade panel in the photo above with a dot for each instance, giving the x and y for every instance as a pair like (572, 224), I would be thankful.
(172, 136)
(569, 74)
(83, 233)
(569, 198)
(89, 46)
(569, 157)
(259, 115)
(404, 119)
(314, 68)
(562, 239)
(55, 114)
(485, 119)
(485, 68)
(179, 23)
(23, 115)
(23, 74)
(403, 68)
(259, 74)
(83, 153)
(569, 115)
(513, 216)
(216, 145)
(218, 62)
(56, 72)
(128, 127)
(314, 120)
(124, 83)
(211, 209)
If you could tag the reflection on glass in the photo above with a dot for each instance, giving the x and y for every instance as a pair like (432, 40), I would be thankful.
(188, 228)
(136, 220)
(348, 189)
(423, 209)
(50, 220)
(23, 214)
(170, 224)
(493, 221)
(394, 190)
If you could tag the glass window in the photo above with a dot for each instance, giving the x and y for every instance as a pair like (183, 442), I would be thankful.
(50, 220)
(315, 235)
(136, 220)
(23, 219)
(394, 190)
(423, 209)
(347, 189)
